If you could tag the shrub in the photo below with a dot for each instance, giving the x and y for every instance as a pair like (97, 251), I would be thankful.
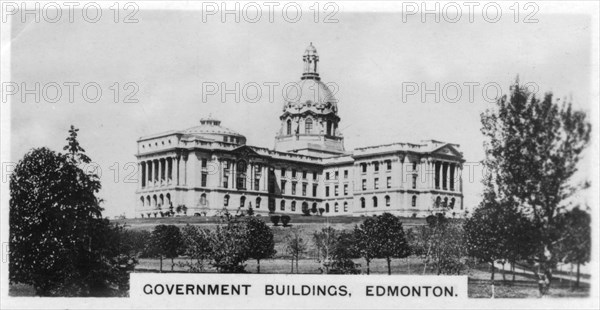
(306, 212)
(275, 219)
(321, 210)
(285, 219)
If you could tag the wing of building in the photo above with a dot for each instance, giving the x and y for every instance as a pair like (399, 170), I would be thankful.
(207, 169)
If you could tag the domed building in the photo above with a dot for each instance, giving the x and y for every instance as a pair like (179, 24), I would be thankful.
(209, 169)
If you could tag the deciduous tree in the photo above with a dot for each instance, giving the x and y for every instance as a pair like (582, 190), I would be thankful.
(533, 149)
(59, 242)
(260, 237)
(166, 242)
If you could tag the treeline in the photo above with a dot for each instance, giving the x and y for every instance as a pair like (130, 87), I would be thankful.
(439, 244)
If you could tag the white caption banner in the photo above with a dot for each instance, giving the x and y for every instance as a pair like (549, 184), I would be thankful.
(296, 291)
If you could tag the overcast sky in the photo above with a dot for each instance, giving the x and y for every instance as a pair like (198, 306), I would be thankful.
(169, 54)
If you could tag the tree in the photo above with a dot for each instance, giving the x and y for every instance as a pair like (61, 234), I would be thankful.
(195, 242)
(576, 244)
(325, 242)
(295, 246)
(389, 235)
(343, 253)
(136, 241)
(532, 151)
(166, 242)
(229, 247)
(366, 245)
(441, 244)
(260, 237)
(59, 242)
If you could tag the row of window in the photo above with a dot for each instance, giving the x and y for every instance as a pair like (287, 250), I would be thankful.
(388, 166)
(336, 190)
(388, 183)
(156, 144)
(295, 174)
(231, 139)
(375, 202)
(336, 175)
(308, 127)
(294, 186)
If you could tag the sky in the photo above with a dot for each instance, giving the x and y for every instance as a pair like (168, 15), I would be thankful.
(371, 58)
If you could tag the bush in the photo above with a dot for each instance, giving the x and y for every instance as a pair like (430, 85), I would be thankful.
(285, 219)
(275, 219)
(306, 212)
(321, 210)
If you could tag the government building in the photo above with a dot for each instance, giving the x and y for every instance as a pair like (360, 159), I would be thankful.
(208, 169)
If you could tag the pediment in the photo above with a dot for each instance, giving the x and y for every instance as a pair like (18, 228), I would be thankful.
(447, 150)
(245, 151)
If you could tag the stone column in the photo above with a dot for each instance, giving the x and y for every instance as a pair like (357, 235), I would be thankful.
(232, 173)
(185, 169)
(155, 174)
(163, 175)
(140, 172)
(178, 171)
(148, 171)
(447, 168)
(435, 174)
(143, 183)
(431, 174)
(169, 170)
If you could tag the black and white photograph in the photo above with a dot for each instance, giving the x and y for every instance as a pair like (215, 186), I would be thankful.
(299, 155)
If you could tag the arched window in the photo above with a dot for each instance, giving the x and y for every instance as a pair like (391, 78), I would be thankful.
(169, 202)
(326, 208)
(148, 202)
(314, 208)
(161, 200)
(203, 199)
(336, 208)
(293, 206)
(446, 202)
(242, 201)
(362, 202)
(374, 202)
(308, 125)
(305, 207)
(387, 201)
(345, 206)
(154, 201)
(329, 126)
(282, 205)
(258, 202)
(452, 202)
(226, 201)
(438, 202)
(414, 201)
(289, 127)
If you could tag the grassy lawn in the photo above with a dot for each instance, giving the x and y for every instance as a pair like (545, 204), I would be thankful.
(410, 265)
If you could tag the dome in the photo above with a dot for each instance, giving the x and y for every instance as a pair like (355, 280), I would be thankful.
(211, 128)
(310, 93)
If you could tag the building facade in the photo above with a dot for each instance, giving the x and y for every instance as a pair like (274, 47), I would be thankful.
(208, 169)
